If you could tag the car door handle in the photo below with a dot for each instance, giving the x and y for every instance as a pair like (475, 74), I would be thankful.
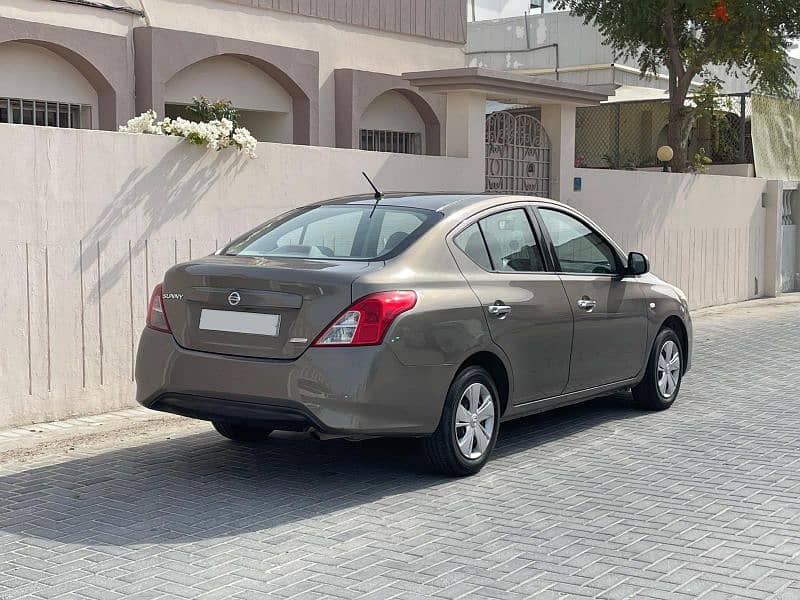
(587, 304)
(498, 309)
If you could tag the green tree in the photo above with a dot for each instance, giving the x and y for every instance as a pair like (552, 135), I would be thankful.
(688, 36)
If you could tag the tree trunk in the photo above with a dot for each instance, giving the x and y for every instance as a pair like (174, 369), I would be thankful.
(680, 120)
(679, 129)
(675, 135)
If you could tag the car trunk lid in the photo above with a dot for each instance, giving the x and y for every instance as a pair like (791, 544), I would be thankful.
(256, 306)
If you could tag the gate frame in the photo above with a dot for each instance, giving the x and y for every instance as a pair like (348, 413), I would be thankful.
(519, 163)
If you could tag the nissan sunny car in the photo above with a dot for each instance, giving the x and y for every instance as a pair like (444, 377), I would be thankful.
(433, 316)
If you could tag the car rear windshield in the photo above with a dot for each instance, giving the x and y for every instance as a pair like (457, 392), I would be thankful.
(341, 231)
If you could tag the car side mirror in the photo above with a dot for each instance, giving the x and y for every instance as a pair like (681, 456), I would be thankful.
(638, 264)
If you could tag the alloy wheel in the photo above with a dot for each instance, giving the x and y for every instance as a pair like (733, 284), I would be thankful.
(669, 369)
(474, 424)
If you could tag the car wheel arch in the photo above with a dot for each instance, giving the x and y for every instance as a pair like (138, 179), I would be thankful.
(675, 323)
(497, 369)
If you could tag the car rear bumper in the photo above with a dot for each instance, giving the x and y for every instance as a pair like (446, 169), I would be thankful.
(348, 391)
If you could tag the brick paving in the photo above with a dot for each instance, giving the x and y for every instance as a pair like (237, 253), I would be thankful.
(595, 501)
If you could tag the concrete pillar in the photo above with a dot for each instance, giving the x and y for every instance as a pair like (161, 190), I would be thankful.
(773, 242)
(465, 129)
(790, 236)
(559, 122)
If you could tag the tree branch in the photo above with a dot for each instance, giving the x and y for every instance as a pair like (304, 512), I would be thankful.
(673, 49)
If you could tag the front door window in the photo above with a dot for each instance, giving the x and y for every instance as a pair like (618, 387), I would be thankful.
(578, 248)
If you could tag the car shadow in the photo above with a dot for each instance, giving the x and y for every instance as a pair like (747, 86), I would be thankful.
(202, 486)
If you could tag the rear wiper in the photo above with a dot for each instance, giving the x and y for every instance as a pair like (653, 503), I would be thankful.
(378, 194)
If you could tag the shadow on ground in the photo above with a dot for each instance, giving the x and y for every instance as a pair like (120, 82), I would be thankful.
(202, 486)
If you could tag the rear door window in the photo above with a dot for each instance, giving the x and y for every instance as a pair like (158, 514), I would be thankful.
(470, 241)
(511, 243)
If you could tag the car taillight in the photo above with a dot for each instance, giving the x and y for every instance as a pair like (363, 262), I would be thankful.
(365, 322)
(156, 315)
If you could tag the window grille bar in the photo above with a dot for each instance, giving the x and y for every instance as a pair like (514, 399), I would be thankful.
(22, 111)
(400, 142)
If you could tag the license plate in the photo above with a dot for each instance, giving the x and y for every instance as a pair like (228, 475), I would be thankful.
(239, 322)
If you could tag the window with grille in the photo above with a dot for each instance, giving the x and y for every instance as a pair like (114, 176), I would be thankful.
(402, 142)
(40, 112)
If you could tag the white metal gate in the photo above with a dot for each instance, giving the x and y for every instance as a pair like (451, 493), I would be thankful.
(517, 155)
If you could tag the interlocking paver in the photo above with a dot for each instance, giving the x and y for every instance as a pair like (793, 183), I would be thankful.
(597, 501)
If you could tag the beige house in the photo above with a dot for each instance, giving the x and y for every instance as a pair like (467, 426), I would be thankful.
(329, 74)
(289, 71)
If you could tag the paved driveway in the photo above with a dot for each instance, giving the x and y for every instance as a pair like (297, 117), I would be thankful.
(599, 500)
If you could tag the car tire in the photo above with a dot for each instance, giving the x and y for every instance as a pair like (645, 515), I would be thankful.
(241, 433)
(468, 428)
(661, 383)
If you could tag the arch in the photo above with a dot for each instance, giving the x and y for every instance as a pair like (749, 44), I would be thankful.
(391, 111)
(264, 106)
(163, 53)
(426, 113)
(101, 59)
(32, 72)
(357, 90)
(497, 369)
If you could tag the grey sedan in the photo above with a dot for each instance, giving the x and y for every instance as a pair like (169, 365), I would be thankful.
(433, 316)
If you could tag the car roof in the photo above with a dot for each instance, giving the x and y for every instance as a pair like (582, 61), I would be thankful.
(440, 202)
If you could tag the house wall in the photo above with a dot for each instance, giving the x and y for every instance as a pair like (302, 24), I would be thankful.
(437, 19)
(85, 238)
(704, 233)
(73, 16)
(389, 48)
(268, 126)
(339, 45)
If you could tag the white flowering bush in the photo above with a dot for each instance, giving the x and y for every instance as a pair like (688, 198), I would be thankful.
(214, 135)
(144, 123)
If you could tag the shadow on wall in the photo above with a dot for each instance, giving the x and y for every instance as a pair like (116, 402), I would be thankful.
(203, 487)
(155, 196)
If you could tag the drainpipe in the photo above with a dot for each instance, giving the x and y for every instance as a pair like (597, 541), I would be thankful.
(527, 33)
(558, 61)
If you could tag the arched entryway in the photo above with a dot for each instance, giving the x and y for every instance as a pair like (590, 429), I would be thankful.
(399, 121)
(265, 107)
(382, 112)
(59, 75)
(52, 92)
(518, 155)
(164, 54)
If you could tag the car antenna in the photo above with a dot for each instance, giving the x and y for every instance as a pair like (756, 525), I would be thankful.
(378, 194)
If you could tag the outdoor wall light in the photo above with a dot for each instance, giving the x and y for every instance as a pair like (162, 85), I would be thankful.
(665, 155)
